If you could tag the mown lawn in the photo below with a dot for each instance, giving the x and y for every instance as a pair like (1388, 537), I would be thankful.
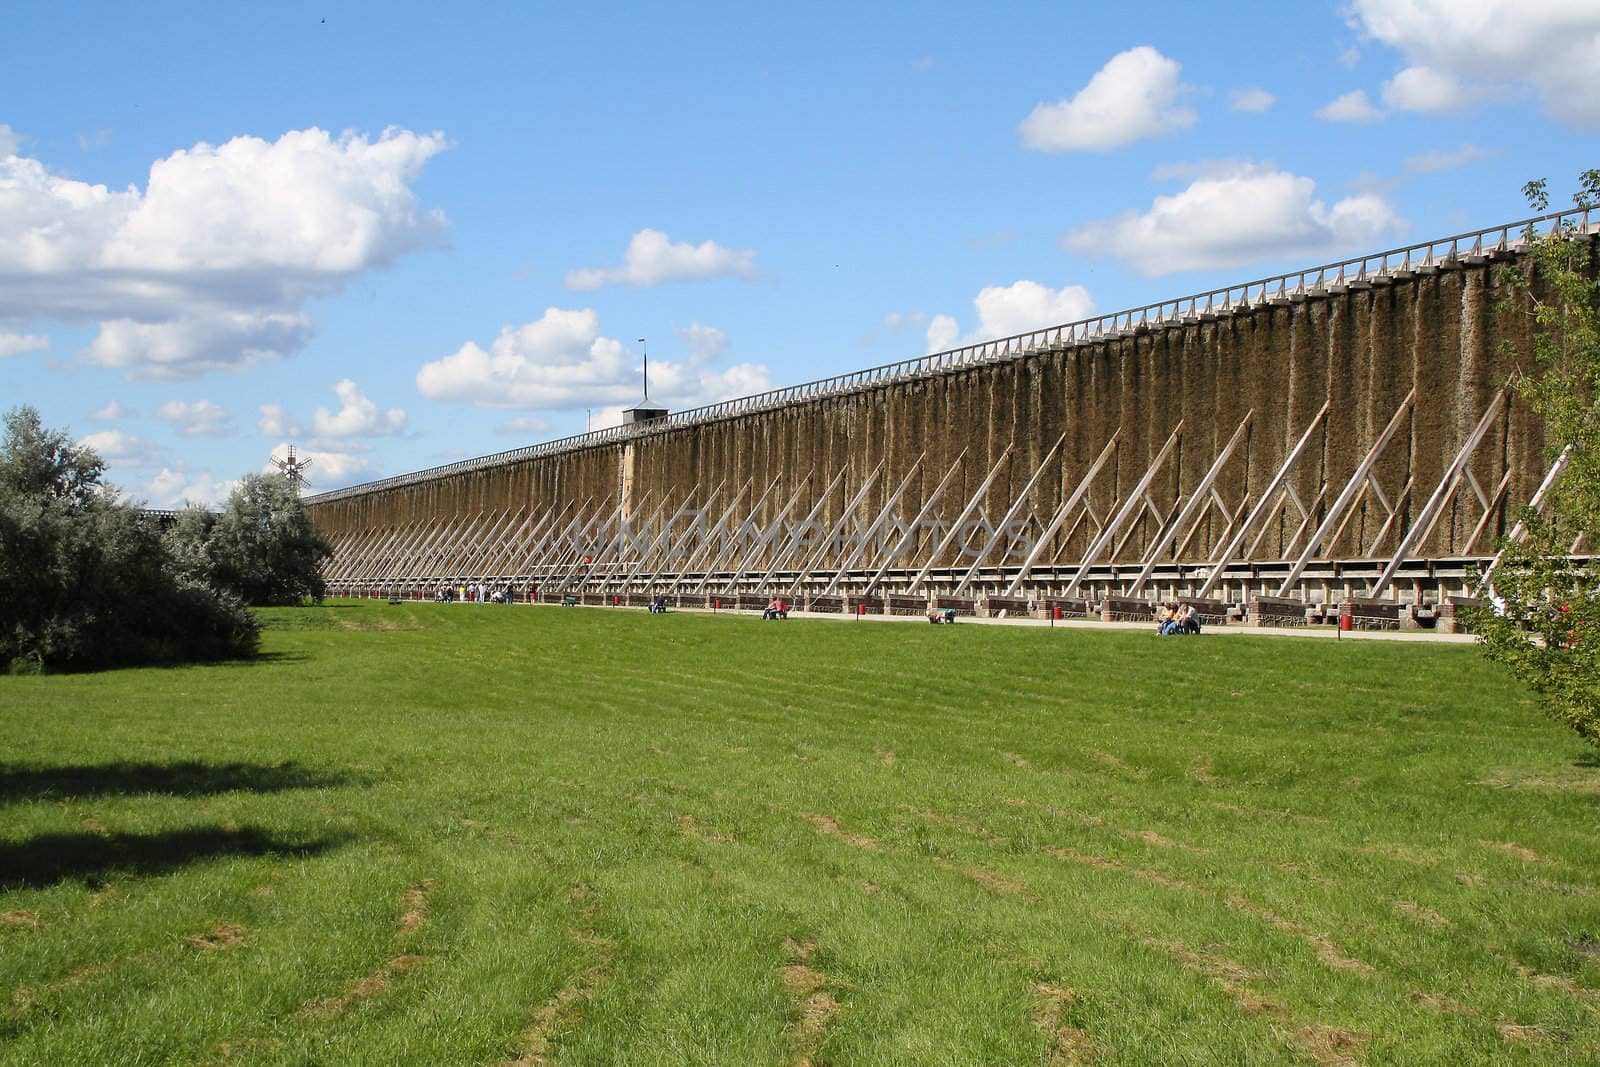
(464, 834)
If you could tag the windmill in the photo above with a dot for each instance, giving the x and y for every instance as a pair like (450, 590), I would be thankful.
(293, 469)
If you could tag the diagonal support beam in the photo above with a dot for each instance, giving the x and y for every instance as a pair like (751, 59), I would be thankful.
(1135, 498)
(1199, 499)
(1351, 488)
(1005, 521)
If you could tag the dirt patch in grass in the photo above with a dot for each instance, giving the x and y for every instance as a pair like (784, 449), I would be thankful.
(359, 989)
(562, 1011)
(1402, 853)
(1467, 878)
(994, 883)
(1202, 772)
(1150, 837)
(1511, 848)
(1513, 1034)
(1105, 864)
(697, 830)
(1438, 1002)
(1016, 760)
(415, 917)
(830, 826)
(21, 917)
(1326, 950)
(1421, 914)
(1234, 979)
(886, 756)
(221, 936)
(1329, 1045)
(814, 1006)
(1068, 1045)
(966, 826)
(1295, 868)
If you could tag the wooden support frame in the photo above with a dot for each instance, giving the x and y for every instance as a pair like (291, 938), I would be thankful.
(1428, 517)
(1129, 506)
(966, 513)
(1197, 500)
(914, 531)
(1347, 496)
(1068, 506)
(1010, 514)
(876, 525)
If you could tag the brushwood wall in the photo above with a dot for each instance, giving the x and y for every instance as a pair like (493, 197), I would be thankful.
(1360, 351)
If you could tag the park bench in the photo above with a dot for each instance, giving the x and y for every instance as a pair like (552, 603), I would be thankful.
(1375, 614)
(1072, 609)
(1127, 609)
(830, 604)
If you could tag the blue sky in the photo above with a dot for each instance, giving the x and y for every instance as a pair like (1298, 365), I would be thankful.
(397, 235)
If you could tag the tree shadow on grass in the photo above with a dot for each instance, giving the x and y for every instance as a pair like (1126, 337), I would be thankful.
(190, 778)
(49, 858)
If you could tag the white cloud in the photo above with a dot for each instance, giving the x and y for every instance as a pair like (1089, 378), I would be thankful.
(113, 411)
(1549, 46)
(1428, 162)
(944, 333)
(1351, 107)
(189, 346)
(1253, 99)
(561, 362)
(199, 419)
(10, 141)
(1205, 168)
(330, 468)
(357, 416)
(900, 322)
(1256, 213)
(208, 267)
(275, 422)
(177, 488)
(1426, 89)
(652, 259)
(1132, 97)
(525, 426)
(16, 344)
(122, 449)
(703, 342)
(1006, 310)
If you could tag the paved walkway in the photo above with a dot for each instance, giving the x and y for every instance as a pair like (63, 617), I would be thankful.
(1329, 633)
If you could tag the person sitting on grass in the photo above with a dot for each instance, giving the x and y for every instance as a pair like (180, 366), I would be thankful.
(776, 609)
(658, 606)
(1164, 620)
(1188, 620)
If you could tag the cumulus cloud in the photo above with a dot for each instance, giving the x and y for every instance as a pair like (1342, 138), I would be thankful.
(1426, 89)
(191, 345)
(112, 411)
(357, 416)
(900, 322)
(209, 266)
(202, 418)
(1255, 213)
(16, 344)
(652, 259)
(1429, 162)
(176, 488)
(561, 361)
(275, 422)
(1133, 96)
(330, 468)
(703, 342)
(1549, 46)
(525, 426)
(1351, 107)
(1006, 310)
(120, 449)
(1253, 99)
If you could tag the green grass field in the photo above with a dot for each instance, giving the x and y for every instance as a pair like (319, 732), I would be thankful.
(465, 834)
